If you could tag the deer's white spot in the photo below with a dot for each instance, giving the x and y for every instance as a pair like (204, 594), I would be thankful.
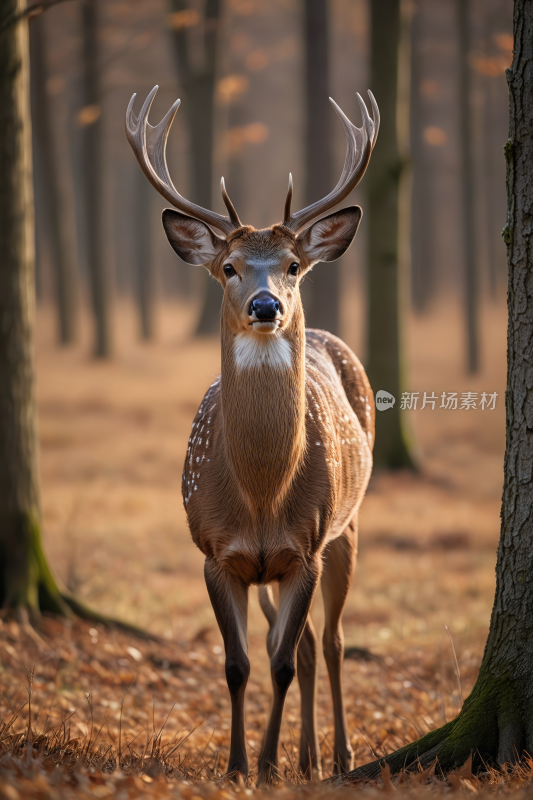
(258, 350)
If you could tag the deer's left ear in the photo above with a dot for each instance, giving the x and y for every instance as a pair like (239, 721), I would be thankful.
(329, 238)
(192, 240)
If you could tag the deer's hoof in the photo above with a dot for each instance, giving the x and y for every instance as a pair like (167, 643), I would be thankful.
(267, 774)
(343, 762)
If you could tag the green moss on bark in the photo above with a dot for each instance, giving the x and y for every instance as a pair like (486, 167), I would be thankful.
(491, 708)
(26, 581)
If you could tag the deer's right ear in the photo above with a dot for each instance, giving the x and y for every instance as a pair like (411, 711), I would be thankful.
(192, 240)
(330, 237)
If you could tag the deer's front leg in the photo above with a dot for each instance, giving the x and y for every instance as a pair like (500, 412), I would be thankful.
(296, 592)
(229, 599)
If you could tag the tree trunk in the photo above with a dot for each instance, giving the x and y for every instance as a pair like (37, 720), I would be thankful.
(321, 291)
(198, 84)
(61, 237)
(386, 274)
(496, 721)
(495, 134)
(25, 579)
(467, 178)
(92, 149)
(145, 277)
(423, 222)
(26, 582)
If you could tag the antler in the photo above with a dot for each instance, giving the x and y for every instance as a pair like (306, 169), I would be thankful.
(149, 145)
(359, 145)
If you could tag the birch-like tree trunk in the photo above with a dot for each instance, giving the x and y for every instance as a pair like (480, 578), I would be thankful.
(496, 721)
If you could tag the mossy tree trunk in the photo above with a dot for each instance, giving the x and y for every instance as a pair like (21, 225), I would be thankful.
(388, 226)
(25, 579)
(496, 721)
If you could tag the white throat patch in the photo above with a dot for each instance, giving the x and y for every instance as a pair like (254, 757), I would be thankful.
(261, 350)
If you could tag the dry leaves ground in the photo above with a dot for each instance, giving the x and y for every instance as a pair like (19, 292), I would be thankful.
(113, 437)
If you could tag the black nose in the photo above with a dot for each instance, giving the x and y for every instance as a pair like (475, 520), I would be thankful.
(264, 306)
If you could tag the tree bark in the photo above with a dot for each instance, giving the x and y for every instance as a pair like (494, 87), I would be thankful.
(423, 213)
(496, 721)
(467, 179)
(25, 579)
(198, 84)
(145, 277)
(61, 237)
(321, 292)
(386, 277)
(92, 148)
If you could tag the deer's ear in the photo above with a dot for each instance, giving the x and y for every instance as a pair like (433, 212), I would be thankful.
(192, 240)
(329, 238)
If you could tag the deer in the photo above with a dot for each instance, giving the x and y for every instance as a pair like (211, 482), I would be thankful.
(280, 452)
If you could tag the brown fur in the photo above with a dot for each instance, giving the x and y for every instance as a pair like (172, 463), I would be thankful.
(280, 452)
(277, 466)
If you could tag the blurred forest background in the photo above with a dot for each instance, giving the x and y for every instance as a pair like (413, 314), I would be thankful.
(126, 334)
(254, 78)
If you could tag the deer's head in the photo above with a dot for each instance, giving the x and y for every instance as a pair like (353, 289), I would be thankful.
(259, 270)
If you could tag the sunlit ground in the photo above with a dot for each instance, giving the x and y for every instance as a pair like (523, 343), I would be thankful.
(113, 437)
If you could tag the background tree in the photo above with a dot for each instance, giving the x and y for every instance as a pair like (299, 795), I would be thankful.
(90, 118)
(494, 92)
(387, 206)
(57, 221)
(25, 579)
(321, 292)
(423, 222)
(145, 274)
(496, 721)
(197, 76)
(468, 179)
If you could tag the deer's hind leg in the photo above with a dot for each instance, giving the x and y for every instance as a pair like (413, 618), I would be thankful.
(306, 666)
(337, 576)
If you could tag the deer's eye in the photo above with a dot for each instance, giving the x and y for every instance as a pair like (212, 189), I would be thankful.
(294, 269)
(229, 271)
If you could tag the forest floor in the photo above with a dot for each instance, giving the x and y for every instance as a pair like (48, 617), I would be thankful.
(113, 437)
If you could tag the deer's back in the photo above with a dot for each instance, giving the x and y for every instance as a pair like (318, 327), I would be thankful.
(324, 348)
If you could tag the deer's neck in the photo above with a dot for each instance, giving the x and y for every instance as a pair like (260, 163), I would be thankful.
(263, 404)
